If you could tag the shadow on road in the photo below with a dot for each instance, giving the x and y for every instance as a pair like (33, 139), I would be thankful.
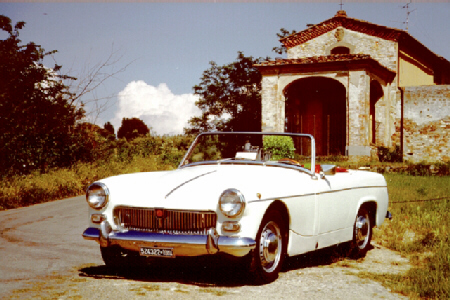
(185, 271)
(209, 272)
(321, 257)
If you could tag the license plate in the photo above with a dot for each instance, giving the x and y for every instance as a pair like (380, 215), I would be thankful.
(159, 252)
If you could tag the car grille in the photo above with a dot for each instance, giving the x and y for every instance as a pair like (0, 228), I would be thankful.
(165, 221)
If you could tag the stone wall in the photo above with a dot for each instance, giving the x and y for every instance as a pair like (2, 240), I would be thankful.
(426, 123)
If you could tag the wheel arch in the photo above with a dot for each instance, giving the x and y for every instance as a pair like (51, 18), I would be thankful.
(281, 207)
(371, 206)
(283, 210)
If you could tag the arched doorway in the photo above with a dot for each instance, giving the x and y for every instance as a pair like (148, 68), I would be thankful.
(317, 106)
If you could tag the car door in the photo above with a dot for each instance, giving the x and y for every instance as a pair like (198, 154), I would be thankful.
(333, 201)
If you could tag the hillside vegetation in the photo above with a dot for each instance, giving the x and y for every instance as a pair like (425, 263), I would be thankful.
(142, 154)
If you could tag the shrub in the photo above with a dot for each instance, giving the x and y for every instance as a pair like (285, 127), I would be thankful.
(280, 146)
(388, 155)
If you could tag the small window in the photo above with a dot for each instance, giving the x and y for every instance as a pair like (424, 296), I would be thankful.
(340, 50)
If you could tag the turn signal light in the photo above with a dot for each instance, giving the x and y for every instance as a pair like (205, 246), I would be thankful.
(231, 226)
(97, 218)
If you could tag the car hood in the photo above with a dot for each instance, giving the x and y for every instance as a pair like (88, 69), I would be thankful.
(194, 188)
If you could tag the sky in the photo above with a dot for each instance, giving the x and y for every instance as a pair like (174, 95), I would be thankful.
(164, 47)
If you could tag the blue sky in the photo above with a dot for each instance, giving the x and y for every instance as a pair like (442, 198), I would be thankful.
(169, 45)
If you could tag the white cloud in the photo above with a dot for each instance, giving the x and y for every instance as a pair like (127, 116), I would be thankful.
(157, 106)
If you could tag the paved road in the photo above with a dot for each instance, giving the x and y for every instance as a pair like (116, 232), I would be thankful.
(42, 240)
(43, 256)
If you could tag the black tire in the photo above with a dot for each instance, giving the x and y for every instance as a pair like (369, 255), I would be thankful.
(115, 257)
(271, 245)
(362, 233)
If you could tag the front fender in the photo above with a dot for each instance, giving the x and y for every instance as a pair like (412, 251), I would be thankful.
(253, 215)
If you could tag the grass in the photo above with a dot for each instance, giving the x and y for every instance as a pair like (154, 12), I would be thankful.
(419, 230)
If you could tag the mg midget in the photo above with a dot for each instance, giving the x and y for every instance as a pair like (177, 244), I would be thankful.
(259, 197)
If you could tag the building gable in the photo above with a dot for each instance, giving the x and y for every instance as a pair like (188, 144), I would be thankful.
(341, 20)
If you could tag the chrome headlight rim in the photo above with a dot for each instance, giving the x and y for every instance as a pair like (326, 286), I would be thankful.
(102, 193)
(237, 206)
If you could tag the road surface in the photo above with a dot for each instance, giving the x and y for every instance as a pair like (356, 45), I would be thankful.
(43, 255)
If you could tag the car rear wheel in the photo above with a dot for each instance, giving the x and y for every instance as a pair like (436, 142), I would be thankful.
(270, 251)
(362, 233)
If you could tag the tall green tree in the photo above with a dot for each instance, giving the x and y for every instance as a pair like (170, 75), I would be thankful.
(229, 97)
(132, 128)
(37, 117)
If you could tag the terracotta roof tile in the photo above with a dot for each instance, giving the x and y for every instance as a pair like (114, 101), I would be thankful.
(330, 62)
(316, 59)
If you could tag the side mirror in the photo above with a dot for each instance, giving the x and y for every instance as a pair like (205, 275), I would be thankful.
(328, 169)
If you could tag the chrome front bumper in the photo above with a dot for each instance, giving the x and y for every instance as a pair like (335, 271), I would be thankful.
(182, 245)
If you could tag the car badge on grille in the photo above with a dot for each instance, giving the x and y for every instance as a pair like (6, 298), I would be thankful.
(160, 216)
(160, 213)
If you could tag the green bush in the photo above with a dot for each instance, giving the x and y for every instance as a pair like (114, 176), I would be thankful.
(280, 146)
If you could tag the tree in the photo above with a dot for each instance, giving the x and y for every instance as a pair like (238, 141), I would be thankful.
(109, 127)
(36, 114)
(132, 128)
(230, 97)
(282, 34)
(90, 78)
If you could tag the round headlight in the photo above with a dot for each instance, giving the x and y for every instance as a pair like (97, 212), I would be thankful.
(231, 203)
(97, 195)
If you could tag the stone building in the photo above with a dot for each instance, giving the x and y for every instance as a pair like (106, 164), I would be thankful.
(358, 86)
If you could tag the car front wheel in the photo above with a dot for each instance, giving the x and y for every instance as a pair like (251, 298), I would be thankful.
(270, 251)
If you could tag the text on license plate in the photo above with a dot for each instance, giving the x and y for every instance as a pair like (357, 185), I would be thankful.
(161, 252)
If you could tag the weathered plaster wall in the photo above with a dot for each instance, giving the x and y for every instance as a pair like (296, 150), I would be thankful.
(358, 112)
(272, 109)
(384, 51)
(426, 123)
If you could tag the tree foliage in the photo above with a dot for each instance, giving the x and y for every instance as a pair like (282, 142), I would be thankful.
(230, 97)
(108, 131)
(282, 34)
(132, 128)
(36, 115)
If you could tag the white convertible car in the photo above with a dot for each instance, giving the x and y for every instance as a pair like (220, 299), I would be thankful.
(255, 196)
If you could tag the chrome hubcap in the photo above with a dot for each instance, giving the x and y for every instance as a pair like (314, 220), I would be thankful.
(362, 228)
(270, 247)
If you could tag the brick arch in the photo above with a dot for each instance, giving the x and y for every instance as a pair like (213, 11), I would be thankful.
(318, 106)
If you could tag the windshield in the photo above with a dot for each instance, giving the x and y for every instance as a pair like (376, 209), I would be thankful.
(257, 148)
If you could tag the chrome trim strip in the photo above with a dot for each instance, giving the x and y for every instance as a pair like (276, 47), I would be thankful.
(312, 194)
